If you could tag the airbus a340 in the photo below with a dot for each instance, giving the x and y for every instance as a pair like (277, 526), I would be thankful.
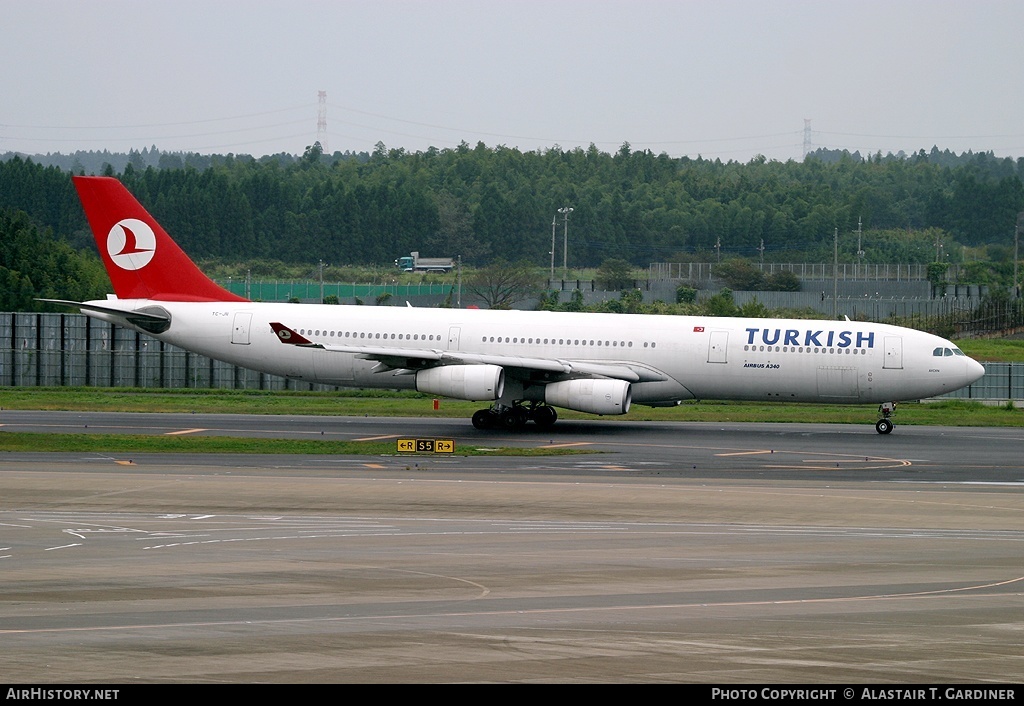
(523, 363)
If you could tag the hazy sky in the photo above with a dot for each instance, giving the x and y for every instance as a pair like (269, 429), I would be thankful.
(725, 79)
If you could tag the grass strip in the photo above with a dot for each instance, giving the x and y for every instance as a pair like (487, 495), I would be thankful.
(406, 404)
(137, 443)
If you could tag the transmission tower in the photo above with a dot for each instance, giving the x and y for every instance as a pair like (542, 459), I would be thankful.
(807, 137)
(321, 122)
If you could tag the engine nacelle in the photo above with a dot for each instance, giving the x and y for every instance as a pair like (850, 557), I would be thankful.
(593, 396)
(463, 382)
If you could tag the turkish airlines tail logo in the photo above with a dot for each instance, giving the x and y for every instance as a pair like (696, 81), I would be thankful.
(131, 244)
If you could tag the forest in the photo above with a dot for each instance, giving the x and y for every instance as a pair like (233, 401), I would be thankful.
(483, 203)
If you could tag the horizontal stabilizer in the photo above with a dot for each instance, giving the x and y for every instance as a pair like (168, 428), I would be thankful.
(146, 320)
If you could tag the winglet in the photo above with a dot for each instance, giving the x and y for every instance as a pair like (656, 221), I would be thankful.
(290, 336)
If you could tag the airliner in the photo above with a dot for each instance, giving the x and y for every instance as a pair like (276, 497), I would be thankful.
(523, 364)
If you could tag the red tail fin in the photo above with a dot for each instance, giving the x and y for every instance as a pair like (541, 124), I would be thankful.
(141, 259)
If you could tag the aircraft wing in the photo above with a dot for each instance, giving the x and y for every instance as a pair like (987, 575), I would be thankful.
(410, 359)
(629, 372)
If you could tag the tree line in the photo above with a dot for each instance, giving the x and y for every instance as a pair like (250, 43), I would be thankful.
(482, 203)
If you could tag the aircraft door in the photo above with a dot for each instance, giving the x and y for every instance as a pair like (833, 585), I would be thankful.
(893, 353)
(240, 329)
(453, 338)
(718, 346)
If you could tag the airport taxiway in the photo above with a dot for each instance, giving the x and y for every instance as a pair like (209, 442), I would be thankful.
(713, 553)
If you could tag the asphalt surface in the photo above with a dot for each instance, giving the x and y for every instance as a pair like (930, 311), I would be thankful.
(707, 553)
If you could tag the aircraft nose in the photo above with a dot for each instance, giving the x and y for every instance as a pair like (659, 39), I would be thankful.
(975, 370)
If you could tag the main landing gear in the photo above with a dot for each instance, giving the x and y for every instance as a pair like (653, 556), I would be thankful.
(884, 424)
(515, 417)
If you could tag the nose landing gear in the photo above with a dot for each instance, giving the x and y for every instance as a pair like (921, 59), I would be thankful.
(886, 410)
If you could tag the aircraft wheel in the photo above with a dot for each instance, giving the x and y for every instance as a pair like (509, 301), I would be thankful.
(513, 418)
(545, 416)
(483, 419)
(884, 426)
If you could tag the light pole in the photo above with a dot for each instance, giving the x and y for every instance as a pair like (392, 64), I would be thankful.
(1016, 249)
(554, 219)
(860, 251)
(565, 211)
(835, 273)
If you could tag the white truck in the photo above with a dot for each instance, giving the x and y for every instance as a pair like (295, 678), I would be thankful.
(414, 263)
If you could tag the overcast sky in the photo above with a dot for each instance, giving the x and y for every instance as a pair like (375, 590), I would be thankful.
(723, 79)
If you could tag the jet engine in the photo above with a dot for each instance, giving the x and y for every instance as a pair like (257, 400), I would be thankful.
(593, 396)
(463, 382)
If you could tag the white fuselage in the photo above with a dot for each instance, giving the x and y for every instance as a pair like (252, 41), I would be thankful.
(698, 357)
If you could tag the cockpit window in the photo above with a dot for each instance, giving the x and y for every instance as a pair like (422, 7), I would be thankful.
(957, 351)
(937, 352)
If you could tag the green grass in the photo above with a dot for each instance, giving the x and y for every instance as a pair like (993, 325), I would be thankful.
(405, 404)
(347, 403)
(944, 413)
(993, 349)
(128, 444)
